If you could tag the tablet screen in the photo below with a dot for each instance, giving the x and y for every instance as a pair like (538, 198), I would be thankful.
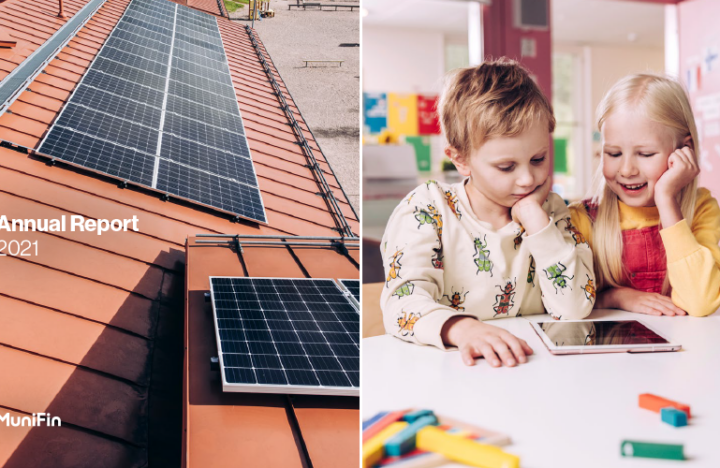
(602, 333)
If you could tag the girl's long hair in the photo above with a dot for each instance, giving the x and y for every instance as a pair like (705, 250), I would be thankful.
(664, 101)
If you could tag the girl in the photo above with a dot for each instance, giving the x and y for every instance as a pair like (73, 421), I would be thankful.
(494, 245)
(644, 247)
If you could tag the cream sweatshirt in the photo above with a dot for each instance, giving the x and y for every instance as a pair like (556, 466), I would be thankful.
(441, 261)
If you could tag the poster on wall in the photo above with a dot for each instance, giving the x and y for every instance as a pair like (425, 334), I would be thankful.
(375, 107)
(422, 151)
(428, 123)
(403, 114)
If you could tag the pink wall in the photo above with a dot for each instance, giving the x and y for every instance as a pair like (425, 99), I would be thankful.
(700, 73)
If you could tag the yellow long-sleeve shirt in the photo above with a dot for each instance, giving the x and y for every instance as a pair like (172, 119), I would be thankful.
(692, 251)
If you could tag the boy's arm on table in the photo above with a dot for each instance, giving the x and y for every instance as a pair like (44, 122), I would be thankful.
(563, 265)
(693, 258)
(410, 252)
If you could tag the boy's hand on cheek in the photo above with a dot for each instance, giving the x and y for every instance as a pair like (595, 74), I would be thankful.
(681, 171)
(528, 211)
(640, 302)
(477, 339)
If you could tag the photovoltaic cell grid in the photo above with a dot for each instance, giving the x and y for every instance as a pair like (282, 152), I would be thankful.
(157, 107)
(353, 286)
(279, 335)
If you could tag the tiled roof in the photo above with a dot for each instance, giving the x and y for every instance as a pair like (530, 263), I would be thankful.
(91, 329)
(329, 425)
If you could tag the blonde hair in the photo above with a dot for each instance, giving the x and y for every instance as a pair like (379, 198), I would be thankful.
(664, 101)
(496, 98)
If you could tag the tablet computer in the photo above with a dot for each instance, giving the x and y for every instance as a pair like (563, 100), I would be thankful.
(601, 336)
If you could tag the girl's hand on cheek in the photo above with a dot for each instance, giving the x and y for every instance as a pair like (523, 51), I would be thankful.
(682, 170)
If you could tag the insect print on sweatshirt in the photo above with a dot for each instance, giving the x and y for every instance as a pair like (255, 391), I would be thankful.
(518, 238)
(576, 234)
(404, 290)
(452, 201)
(555, 274)
(395, 267)
(430, 216)
(589, 288)
(482, 256)
(406, 322)
(531, 272)
(456, 299)
(505, 300)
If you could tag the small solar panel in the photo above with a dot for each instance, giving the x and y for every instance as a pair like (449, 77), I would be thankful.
(353, 286)
(283, 335)
(159, 94)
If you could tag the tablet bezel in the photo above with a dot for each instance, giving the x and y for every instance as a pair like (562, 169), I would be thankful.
(637, 348)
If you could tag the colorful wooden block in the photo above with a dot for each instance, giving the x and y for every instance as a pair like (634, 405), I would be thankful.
(634, 448)
(463, 450)
(655, 403)
(381, 424)
(369, 422)
(373, 450)
(673, 416)
(415, 415)
(404, 441)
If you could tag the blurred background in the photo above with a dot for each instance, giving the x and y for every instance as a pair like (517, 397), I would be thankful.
(575, 49)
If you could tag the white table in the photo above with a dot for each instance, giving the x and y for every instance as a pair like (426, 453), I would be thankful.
(563, 411)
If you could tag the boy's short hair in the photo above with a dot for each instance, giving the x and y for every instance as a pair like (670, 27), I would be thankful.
(496, 98)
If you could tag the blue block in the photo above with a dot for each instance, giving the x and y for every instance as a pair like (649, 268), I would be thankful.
(373, 420)
(415, 415)
(674, 417)
(404, 441)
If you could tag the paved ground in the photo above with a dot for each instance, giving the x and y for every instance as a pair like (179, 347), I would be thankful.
(328, 95)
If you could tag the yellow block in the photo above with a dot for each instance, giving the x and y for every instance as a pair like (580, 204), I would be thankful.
(465, 451)
(402, 114)
(373, 449)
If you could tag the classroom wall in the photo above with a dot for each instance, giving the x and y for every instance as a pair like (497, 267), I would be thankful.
(700, 72)
(610, 63)
(417, 67)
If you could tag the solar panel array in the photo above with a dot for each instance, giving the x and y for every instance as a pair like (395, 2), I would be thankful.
(157, 107)
(278, 335)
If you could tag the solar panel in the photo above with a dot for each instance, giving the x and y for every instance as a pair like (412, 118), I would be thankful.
(159, 95)
(282, 335)
(353, 286)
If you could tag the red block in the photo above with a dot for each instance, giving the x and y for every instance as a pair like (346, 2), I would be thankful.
(382, 423)
(655, 403)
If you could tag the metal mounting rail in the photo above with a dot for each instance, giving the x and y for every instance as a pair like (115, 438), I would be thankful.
(341, 223)
(316, 241)
(20, 78)
(255, 236)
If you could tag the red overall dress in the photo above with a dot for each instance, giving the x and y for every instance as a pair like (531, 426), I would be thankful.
(643, 255)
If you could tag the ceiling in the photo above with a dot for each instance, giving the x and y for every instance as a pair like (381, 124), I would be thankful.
(447, 16)
(608, 22)
(573, 21)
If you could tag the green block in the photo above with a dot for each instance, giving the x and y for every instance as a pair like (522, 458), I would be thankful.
(633, 448)
(404, 441)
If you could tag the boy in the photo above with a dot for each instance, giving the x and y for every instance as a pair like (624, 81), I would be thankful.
(498, 244)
